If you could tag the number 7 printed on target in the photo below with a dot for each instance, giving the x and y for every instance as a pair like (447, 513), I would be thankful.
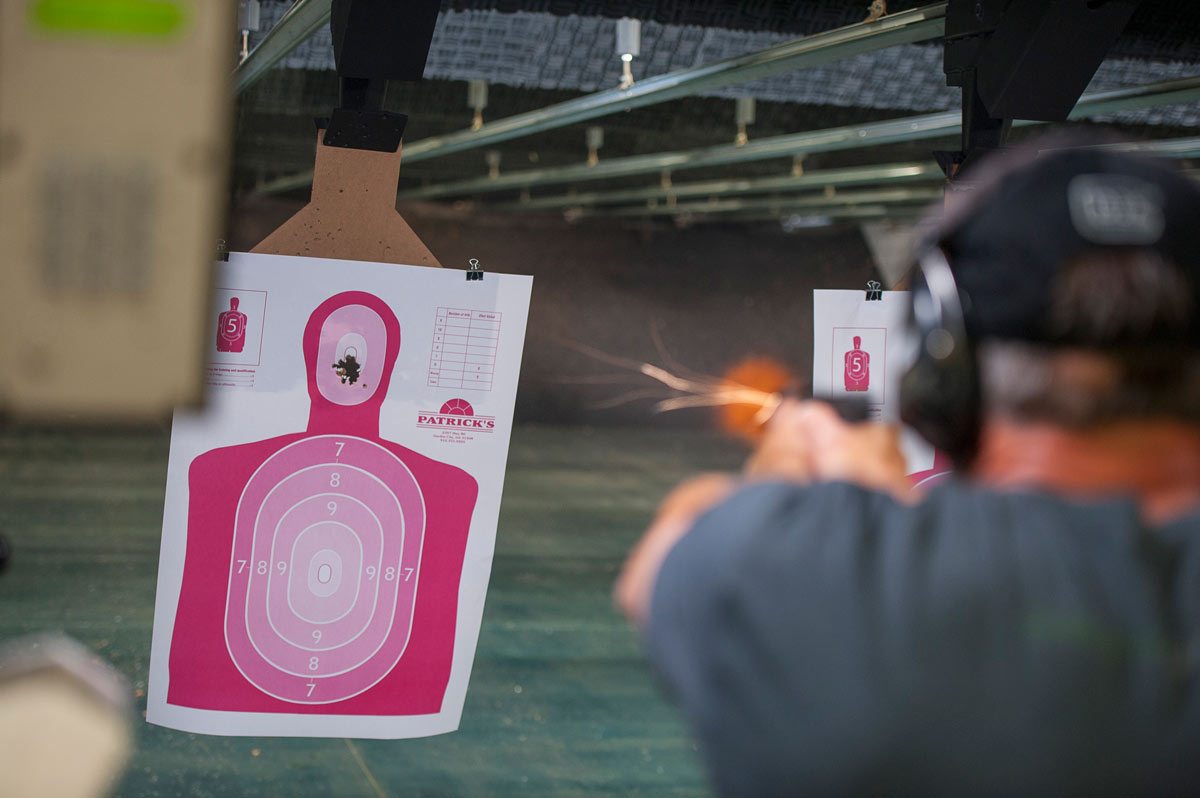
(322, 567)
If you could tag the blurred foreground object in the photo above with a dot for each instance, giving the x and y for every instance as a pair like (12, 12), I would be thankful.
(64, 720)
(113, 152)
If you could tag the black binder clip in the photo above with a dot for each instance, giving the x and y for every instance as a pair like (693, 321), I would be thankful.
(874, 291)
(475, 272)
(222, 249)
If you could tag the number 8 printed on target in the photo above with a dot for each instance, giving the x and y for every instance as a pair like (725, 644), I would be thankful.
(322, 567)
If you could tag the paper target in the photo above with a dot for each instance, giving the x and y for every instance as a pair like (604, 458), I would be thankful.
(325, 553)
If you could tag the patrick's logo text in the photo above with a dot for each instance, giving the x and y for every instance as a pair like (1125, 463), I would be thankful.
(456, 414)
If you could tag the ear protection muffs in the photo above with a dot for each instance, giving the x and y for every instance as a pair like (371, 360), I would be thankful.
(939, 392)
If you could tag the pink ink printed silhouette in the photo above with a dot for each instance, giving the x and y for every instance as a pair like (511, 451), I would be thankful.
(231, 328)
(457, 407)
(322, 567)
(941, 470)
(858, 368)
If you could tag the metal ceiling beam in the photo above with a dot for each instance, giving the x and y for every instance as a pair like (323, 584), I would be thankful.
(299, 22)
(1166, 148)
(837, 178)
(905, 212)
(775, 208)
(911, 128)
(903, 27)
(818, 218)
(875, 175)
(887, 196)
(785, 208)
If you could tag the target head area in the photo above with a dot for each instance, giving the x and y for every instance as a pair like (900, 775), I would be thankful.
(349, 338)
(351, 344)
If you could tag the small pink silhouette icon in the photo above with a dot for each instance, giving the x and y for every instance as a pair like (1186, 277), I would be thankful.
(231, 329)
(858, 367)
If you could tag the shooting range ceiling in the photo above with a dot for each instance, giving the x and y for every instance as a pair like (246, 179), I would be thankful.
(540, 52)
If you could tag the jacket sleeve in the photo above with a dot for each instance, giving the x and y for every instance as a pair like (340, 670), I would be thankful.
(765, 627)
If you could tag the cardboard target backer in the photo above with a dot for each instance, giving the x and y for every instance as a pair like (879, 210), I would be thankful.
(331, 515)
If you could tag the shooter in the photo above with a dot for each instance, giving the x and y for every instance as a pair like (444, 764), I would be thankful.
(1029, 627)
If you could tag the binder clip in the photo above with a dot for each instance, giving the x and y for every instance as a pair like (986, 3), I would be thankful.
(874, 291)
(475, 272)
(222, 249)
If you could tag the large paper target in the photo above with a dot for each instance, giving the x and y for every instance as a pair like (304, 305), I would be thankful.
(324, 569)
(323, 566)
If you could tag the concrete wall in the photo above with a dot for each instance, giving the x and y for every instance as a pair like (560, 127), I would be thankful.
(714, 293)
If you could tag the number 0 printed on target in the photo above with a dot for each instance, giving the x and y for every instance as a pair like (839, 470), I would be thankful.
(331, 514)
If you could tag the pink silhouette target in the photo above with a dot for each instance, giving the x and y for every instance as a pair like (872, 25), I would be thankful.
(857, 374)
(231, 328)
(322, 567)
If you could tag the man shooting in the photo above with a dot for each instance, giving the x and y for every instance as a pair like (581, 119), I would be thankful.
(1030, 627)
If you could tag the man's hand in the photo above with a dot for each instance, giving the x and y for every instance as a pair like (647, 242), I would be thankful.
(804, 442)
(809, 442)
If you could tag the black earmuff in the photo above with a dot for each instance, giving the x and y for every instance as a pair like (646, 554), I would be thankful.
(939, 393)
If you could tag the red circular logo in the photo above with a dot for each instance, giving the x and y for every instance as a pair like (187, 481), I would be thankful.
(457, 407)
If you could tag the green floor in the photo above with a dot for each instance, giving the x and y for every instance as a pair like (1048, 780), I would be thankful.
(560, 702)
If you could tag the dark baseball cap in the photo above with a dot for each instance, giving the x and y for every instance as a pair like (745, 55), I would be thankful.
(1027, 223)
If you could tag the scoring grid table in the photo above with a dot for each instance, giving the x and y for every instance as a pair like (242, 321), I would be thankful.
(464, 349)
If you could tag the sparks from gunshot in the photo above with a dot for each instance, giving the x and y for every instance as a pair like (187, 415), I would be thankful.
(691, 389)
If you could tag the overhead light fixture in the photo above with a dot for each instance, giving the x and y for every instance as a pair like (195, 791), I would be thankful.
(744, 116)
(249, 19)
(629, 46)
(595, 140)
(477, 100)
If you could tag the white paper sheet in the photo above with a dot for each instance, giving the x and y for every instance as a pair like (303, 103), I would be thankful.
(860, 349)
(331, 515)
